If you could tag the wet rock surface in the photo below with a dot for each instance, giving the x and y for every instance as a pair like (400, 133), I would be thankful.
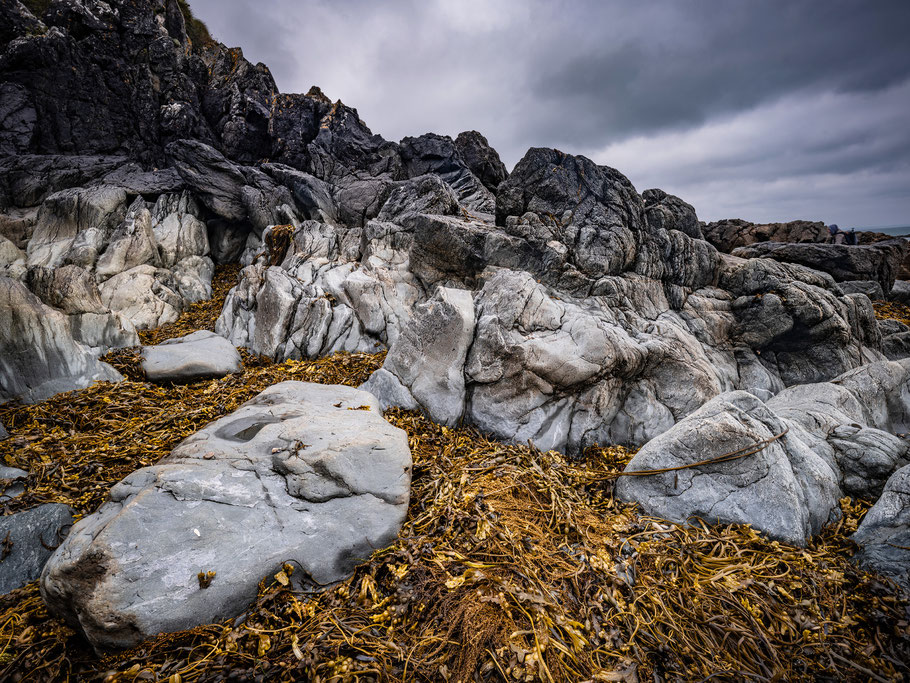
(303, 473)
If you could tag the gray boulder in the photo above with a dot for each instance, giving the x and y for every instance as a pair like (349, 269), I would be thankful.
(305, 474)
(199, 355)
(784, 490)
(900, 292)
(11, 478)
(870, 288)
(146, 296)
(731, 233)
(424, 366)
(3, 433)
(883, 536)
(482, 160)
(33, 535)
(878, 262)
(668, 212)
(896, 346)
(38, 355)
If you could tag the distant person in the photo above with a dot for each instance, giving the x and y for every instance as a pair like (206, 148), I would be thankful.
(851, 237)
(833, 232)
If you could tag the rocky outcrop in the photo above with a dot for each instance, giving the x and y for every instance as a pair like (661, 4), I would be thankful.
(884, 535)
(38, 354)
(786, 461)
(668, 212)
(305, 474)
(880, 262)
(729, 234)
(482, 160)
(198, 355)
(29, 538)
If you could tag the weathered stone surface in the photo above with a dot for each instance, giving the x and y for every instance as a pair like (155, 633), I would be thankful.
(784, 490)
(878, 262)
(215, 179)
(303, 473)
(424, 366)
(900, 292)
(144, 295)
(870, 288)
(198, 355)
(668, 212)
(883, 536)
(896, 346)
(482, 160)
(34, 534)
(11, 478)
(3, 433)
(27, 179)
(38, 355)
(729, 234)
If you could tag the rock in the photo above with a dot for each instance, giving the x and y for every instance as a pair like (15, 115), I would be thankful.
(870, 288)
(896, 346)
(304, 474)
(12, 260)
(731, 233)
(423, 194)
(18, 225)
(884, 534)
(481, 159)
(144, 295)
(437, 154)
(74, 226)
(177, 229)
(33, 534)
(668, 212)
(900, 292)
(11, 478)
(131, 244)
(217, 181)
(135, 180)
(38, 355)
(3, 433)
(226, 240)
(784, 490)
(424, 366)
(27, 179)
(17, 119)
(878, 262)
(200, 355)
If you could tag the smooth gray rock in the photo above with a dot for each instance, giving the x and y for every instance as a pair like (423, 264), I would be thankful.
(33, 534)
(3, 433)
(785, 490)
(427, 359)
(38, 355)
(883, 536)
(146, 296)
(11, 478)
(199, 355)
(304, 473)
(870, 288)
(880, 262)
(131, 244)
(900, 292)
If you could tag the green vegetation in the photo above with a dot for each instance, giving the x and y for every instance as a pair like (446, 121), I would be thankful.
(196, 29)
(37, 7)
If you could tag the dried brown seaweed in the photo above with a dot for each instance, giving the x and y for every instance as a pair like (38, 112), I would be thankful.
(892, 310)
(513, 564)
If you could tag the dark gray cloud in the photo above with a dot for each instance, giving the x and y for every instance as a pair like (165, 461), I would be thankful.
(766, 109)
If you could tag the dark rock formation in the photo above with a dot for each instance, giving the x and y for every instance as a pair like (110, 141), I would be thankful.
(729, 234)
(31, 537)
(668, 212)
(481, 159)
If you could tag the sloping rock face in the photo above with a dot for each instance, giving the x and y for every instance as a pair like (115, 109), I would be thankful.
(884, 535)
(729, 234)
(668, 212)
(879, 262)
(832, 439)
(304, 473)
(38, 354)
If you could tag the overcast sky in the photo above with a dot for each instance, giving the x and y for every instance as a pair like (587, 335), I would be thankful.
(768, 110)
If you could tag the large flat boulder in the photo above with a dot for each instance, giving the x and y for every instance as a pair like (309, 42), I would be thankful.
(304, 473)
(199, 355)
(27, 539)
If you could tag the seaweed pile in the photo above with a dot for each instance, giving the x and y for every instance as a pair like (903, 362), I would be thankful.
(513, 564)
(892, 310)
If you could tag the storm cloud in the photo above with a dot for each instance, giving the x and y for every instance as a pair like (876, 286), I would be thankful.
(765, 110)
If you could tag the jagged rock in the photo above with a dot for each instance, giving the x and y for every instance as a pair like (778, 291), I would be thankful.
(304, 473)
(193, 278)
(11, 478)
(896, 346)
(131, 244)
(18, 225)
(200, 355)
(423, 194)
(294, 124)
(17, 119)
(731, 233)
(217, 181)
(437, 154)
(17, 21)
(38, 355)
(312, 196)
(74, 226)
(878, 262)
(33, 534)
(668, 212)
(12, 260)
(177, 228)
(145, 295)
(883, 536)
(870, 288)
(424, 366)
(27, 179)
(784, 490)
(482, 160)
